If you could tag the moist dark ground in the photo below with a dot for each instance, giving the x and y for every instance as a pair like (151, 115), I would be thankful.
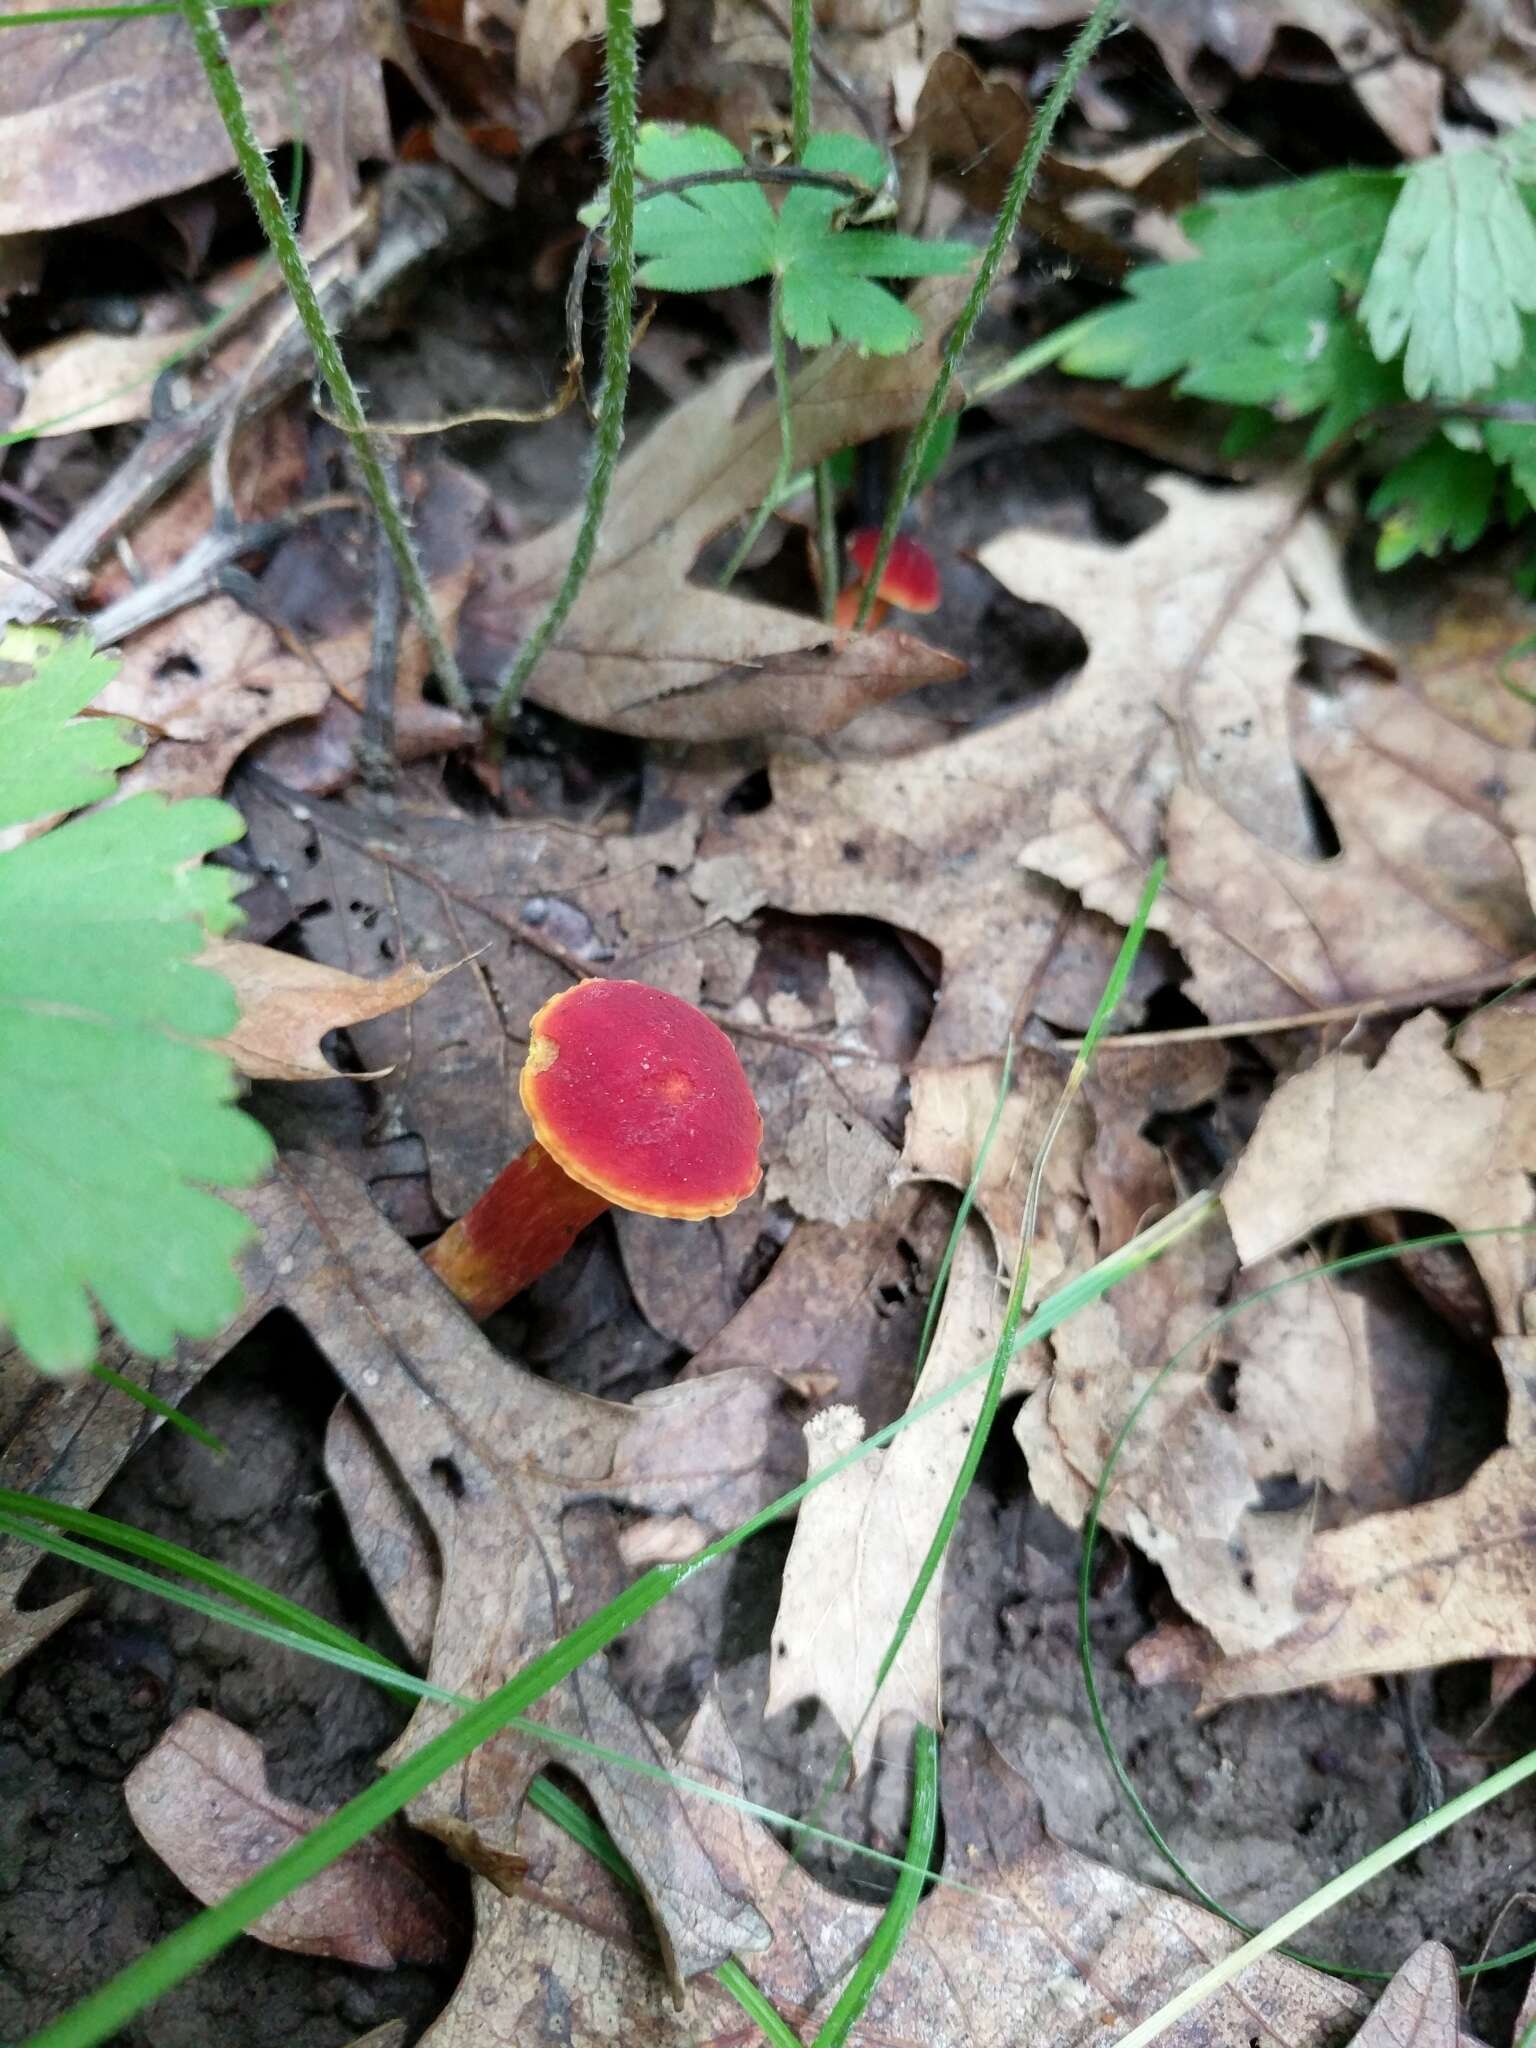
(1264, 1801)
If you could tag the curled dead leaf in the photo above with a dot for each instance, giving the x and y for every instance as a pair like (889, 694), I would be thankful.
(288, 1004)
(200, 1799)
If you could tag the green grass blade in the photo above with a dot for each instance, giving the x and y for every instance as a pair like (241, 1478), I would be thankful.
(156, 1406)
(897, 1917)
(592, 1836)
(174, 1557)
(1326, 1897)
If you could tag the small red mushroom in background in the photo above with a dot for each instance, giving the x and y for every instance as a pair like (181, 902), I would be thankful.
(637, 1101)
(910, 582)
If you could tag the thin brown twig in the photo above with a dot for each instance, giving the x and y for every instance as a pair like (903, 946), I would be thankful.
(1339, 1013)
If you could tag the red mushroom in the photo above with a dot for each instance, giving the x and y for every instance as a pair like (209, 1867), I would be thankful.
(910, 581)
(637, 1101)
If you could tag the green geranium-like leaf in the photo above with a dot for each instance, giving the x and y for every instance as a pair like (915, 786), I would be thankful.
(111, 1119)
(1457, 270)
(712, 236)
(1439, 495)
(1250, 320)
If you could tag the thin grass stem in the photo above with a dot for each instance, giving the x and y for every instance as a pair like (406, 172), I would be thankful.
(164, 1409)
(1326, 1897)
(887, 1938)
(1004, 227)
(785, 467)
(802, 33)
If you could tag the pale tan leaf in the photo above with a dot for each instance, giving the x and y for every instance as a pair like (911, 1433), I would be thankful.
(1445, 1582)
(952, 1107)
(200, 1799)
(1183, 1488)
(1412, 1132)
(860, 1540)
(1421, 2007)
(1413, 796)
(647, 650)
(288, 1004)
(89, 380)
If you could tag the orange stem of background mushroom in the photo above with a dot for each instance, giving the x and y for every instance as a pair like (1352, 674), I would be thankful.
(526, 1220)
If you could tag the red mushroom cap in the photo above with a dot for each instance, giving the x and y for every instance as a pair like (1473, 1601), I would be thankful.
(911, 579)
(639, 1097)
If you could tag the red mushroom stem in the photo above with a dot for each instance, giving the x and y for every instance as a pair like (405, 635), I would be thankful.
(637, 1101)
(524, 1223)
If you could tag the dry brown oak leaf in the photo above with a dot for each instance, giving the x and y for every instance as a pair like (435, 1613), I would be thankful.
(648, 651)
(288, 1004)
(1412, 1131)
(200, 1799)
(512, 1474)
(1035, 1943)
(1428, 887)
(94, 121)
(1193, 635)
(1398, 89)
(1421, 2007)
(1332, 1382)
(1451, 1579)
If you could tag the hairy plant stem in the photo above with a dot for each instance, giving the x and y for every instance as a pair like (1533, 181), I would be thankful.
(213, 53)
(786, 462)
(621, 68)
(1004, 227)
(802, 29)
(828, 562)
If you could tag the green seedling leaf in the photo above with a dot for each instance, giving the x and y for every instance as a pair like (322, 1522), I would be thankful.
(712, 236)
(1268, 294)
(1440, 494)
(109, 1116)
(1457, 269)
